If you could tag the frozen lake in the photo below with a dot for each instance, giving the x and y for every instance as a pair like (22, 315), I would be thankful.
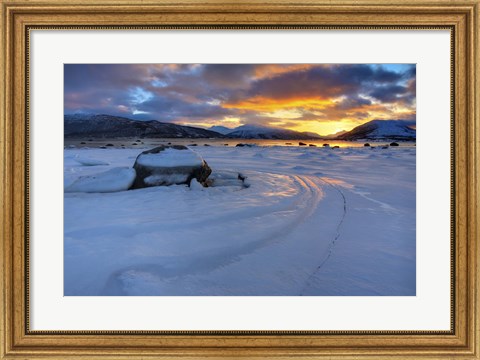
(313, 221)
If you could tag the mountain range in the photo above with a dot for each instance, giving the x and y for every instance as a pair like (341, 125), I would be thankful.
(107, 126)
(372, 130)
(382, 130)
(264, 132)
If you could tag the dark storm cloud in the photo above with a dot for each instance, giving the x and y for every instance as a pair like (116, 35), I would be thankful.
(103, 76)
(324, 82)
(411, 73)
(352, 102)
(169, 109)
(228, 75)
(390, 93)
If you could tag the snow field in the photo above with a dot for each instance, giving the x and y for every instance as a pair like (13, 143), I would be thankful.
(312, 221)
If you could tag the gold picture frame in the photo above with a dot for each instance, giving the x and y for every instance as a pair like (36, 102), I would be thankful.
(19, 17)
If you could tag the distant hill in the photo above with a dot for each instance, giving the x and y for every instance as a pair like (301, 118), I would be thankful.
(221, 129)
(336, 135)
(107, 126)
(382, 130)
(264, 132)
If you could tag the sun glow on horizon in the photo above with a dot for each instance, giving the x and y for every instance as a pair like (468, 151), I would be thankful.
(318, 98)
(264, 104)
(326, 128)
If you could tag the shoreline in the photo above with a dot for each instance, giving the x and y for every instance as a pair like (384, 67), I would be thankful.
(132, 143)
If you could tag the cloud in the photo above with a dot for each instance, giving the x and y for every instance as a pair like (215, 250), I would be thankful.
(322, 82)
(388, 93)
(246, 93)
(228, 76)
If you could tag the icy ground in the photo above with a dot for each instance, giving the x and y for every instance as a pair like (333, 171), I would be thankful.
(313, 221)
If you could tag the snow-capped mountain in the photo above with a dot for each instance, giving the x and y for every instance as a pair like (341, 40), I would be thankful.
(264, 132)
(108, 126)
(221, 129)
(382, 129)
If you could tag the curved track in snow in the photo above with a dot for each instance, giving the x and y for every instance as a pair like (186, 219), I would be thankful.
(280, 220)
(331, 246)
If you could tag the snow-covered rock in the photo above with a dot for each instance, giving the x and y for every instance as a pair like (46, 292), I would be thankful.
(169, 165)
(195, 185)
(227, 178)
(116, 179)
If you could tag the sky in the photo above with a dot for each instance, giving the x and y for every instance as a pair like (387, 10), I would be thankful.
(320, 98)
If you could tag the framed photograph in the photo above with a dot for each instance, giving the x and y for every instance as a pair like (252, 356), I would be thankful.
(239, 179)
